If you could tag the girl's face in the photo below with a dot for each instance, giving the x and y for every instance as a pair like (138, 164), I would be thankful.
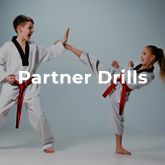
(147, 57)
(26, 30)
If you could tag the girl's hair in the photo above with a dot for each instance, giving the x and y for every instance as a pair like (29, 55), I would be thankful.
(159, 57)
(21, 19)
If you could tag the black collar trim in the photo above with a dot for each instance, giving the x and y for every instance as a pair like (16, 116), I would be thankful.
(24, 56)
(143, 70)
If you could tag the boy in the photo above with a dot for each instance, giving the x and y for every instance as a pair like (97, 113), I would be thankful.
(20, 54)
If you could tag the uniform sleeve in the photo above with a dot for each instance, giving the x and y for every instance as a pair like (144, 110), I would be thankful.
(47, 54)
(3, 55)
(149, 77)
(94, 64)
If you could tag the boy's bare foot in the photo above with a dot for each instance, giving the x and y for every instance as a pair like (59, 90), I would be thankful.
(123, 151)
(49, 150)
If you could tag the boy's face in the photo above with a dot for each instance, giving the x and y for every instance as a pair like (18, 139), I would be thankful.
(26, 30)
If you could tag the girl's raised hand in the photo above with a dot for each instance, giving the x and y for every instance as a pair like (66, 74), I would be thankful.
(65, 39)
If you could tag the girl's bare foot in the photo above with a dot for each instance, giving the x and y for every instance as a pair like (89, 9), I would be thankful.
(49, 150)
(123, 151)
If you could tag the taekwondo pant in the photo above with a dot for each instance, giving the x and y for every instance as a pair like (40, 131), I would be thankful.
(37, 118)
(118, 123)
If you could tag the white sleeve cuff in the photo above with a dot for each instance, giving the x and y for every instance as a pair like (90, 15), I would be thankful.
(58, 48)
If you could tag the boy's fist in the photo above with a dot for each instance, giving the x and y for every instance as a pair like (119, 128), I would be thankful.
(10, 79)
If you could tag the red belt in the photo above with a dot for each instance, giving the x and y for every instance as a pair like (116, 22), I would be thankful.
(22, 88)
(125, 89)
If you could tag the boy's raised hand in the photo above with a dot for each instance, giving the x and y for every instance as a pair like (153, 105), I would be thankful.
(65, 39)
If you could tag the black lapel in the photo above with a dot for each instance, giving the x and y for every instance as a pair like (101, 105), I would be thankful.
(143, 70)
(24, 56)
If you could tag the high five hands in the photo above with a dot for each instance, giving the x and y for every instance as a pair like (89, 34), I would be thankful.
(65, 38)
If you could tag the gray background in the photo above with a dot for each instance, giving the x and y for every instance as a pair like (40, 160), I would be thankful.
(109, 29)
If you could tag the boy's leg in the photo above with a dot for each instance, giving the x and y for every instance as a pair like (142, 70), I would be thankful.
(39, 122)
(118, 126)
(5, 105)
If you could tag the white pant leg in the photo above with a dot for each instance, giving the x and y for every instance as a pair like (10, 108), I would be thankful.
(5, 105)
(39, 122)
(118, 119)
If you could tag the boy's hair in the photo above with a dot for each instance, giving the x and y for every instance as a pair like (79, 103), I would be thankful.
(20, 20)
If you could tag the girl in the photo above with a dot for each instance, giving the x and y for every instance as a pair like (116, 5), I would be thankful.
(150, 55)
(20, 54)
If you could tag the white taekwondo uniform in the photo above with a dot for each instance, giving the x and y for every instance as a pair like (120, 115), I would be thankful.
(96, 66)
(13, 60)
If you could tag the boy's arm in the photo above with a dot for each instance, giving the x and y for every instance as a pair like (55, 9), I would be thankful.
(54, 50)
(47, 54)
